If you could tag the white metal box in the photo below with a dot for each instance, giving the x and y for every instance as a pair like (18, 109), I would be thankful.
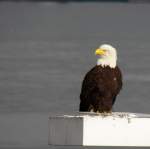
(89, 129)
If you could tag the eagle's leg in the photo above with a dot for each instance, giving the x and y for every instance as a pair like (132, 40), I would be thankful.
(104, 113)
(91, 108)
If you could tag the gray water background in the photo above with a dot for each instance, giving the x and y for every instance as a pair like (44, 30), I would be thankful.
(45, 50)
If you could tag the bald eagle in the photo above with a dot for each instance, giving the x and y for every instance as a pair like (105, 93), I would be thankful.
(102, 83)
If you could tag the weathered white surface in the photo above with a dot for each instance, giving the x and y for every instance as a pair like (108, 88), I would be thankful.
(117, 129)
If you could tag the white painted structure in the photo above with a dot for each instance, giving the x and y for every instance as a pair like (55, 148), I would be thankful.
(89, 129)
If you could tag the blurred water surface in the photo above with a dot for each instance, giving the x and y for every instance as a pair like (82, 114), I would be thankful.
(46, 49)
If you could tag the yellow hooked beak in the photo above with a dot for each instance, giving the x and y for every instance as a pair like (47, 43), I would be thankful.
(100, 52)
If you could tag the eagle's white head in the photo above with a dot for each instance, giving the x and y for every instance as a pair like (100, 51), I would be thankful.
(108, 56)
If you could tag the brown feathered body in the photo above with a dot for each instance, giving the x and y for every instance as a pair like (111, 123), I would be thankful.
(100, 87)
